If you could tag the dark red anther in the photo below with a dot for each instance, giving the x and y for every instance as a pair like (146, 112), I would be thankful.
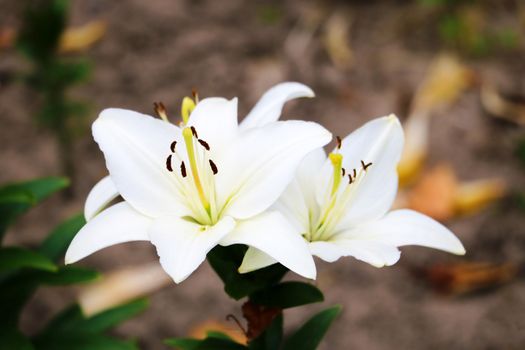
(194, 132)
(343, 172)
(355, 174)
(339, 142)
(172, 146)
(168, 163)
(213, 167)
(365, 166)
(204, 144)
(183, 169)
(350, 180)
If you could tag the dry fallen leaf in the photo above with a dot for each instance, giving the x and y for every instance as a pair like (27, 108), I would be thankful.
(438, 194)
(232, 330)
(81, 38)
(510, 108)
(74, 39)
(416, 129)
(337, 40)
(434, 194)
(468, 277)
(445, 80)
(123, 285)
(7, 37)
(473, 196)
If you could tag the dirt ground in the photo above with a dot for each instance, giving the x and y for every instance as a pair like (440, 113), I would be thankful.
(159, 50)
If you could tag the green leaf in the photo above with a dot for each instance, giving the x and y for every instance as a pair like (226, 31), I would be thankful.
(183, 343)
(13, 339)
(82, 341)
(287, 294)
(214, 342)
(55, 245)
(39, 188)
(66, 275)
(67, 320)
(12, 258)
(17, 198)
(312, 332)
(271, 338)
(112, 317)
(226, 260)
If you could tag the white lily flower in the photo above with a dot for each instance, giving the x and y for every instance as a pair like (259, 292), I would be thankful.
(340, 205)
(209, 182)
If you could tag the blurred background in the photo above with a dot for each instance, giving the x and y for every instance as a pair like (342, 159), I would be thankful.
(452, 70)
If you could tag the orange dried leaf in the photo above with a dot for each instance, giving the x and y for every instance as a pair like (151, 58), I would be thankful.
(468, 277)
(201, 330)
(434, 194)
(474, 196)
(81, 38)
(7, 37)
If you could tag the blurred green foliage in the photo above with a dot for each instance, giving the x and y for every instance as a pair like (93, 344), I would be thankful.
(23, 271)
(52, 75)
(466, 26)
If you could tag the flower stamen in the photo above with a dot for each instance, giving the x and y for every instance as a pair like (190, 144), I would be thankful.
(168, 164)
(188, 105)
(213, 167)
(160, 110)
(188, 134)
(337, 161)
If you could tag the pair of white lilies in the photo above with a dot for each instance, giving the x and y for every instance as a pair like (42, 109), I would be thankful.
(264, 183)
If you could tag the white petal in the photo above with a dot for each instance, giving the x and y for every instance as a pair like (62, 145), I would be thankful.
(182, 245)
(136, 147)
(99, 197)
(272, 234)
(270, 106)
(407, 227)
(263, 162)
(298, 203)
(379, 142)
(255, 259)
(374, 253)
(215, 120)
(118, 224)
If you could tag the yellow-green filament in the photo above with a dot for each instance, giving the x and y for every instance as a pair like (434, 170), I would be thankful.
(188, 105)
(188, 135)
(337, 163)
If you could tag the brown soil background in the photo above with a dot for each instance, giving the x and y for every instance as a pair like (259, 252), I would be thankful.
(159, 50)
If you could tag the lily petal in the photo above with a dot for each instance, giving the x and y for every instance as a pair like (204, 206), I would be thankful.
(298, 202)
(99, 197)
(373, 253)
(272, 234)
(408, 227)
(263, 162)
(215, 120)
(135, 147)
(379, 142)
(118, 224)
(255, 259)
(268, 109)
(182, 245)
